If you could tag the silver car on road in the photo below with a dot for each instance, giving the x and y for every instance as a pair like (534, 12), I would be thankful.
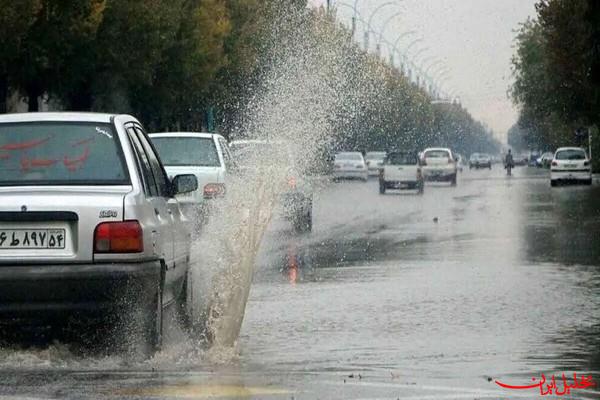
(89, 224)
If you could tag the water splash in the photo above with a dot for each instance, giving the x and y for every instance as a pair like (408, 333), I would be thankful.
(299, 98)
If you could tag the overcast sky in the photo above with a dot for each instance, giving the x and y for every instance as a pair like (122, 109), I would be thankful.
(473, 38)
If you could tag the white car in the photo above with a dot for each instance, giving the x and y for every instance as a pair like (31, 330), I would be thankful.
(205, 155)
(401, 170)
(350, 165)
(570, 164)
(89, 225)
(439, 165)
(374, 160)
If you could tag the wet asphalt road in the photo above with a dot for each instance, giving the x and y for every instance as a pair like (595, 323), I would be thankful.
(395, 296)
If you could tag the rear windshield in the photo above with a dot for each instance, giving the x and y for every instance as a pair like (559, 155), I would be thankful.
(437, 154)
(187, 151)
(402, 159)
(571, 155)
(65, 153)
(349, 156)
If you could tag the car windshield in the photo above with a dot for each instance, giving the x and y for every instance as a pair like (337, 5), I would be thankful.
(348, 157)
(402, 159)
(65, 153)
(573, 155)
(437, 154)
(184, 151)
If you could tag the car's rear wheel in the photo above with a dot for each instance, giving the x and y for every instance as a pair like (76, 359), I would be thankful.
(553, 183)
(303, 221)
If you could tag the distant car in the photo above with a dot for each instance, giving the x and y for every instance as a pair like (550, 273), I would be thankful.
(350, 165)
(297, 192)
(374, 160)
(89, 224)
(478, 160)
(570, 164)
(401, 170)
(438, 165)
(545, 160)
(204, 155)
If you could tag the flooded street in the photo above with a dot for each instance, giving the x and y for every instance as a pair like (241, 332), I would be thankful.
(394, 296)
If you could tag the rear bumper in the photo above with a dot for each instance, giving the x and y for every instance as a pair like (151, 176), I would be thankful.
(439, 174)
(44, 290)
(575, 175)
(402, 184)
(356, 174)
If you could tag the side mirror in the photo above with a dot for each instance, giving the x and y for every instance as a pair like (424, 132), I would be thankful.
(184, 184)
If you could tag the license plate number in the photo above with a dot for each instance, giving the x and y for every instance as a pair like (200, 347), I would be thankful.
(32, 239)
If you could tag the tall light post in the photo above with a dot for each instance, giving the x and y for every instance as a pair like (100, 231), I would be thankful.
(396, 43)
(384, 27)
(369, 23)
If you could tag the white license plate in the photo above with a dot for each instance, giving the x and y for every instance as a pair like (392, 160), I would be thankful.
(32, 239)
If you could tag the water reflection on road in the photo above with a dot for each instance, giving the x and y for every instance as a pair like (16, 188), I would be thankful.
(495, 278)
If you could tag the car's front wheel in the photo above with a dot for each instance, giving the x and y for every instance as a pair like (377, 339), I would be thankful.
(553, 183)
(588, 182)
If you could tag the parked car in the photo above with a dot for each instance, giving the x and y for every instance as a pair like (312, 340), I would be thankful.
(438, 165)
(570, 164)
(297, 193)
(401, 170)
(374, 160)
(89, 224)
(350, 165)
(545, 160)
(479, 160)
(204, 155)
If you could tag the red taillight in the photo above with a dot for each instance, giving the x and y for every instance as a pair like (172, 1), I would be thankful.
(554, 164)
(212, 190)
(119, 237)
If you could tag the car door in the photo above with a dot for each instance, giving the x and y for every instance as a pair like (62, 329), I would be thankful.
(176, 226)
(160, 223)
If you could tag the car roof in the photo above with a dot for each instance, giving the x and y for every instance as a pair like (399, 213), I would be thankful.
(437, 149)
(569, 148)
(184, 134)
(348, 153)
(59, 117)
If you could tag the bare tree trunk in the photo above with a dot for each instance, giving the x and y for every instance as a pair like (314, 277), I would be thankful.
(33, 96)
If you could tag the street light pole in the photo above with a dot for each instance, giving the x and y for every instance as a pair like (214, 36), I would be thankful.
(387, 4)
(384, 27)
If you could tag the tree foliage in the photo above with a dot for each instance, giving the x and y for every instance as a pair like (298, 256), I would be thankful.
(557, 74)
(175, 63)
